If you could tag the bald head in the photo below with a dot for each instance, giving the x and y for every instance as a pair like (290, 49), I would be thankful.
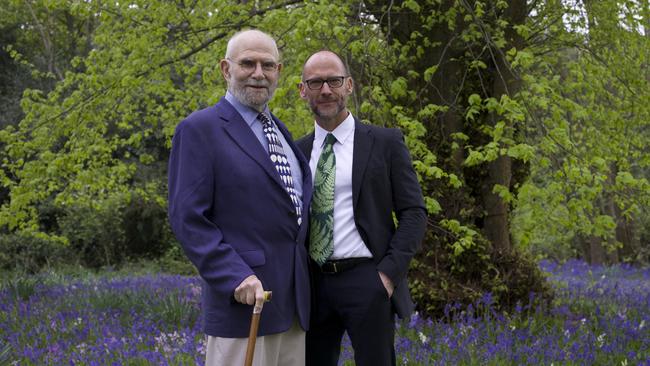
(327, 56)
(251, 39)
(326, 85)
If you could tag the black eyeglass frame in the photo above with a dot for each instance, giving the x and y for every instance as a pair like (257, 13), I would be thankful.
(332, 82)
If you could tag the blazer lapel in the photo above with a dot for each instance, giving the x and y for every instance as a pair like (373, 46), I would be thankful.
(363, 143)
(243, 136)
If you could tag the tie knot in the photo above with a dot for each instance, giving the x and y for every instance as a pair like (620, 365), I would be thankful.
(330, 139)
(266, 121)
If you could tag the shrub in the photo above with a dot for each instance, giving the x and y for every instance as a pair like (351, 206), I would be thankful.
(120, 228)
(174, 261)
(146, 229)
(95, 232)
(510, 277)
(126, 227)
(27, 253)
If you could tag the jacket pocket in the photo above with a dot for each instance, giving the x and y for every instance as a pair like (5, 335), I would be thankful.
(254, 258)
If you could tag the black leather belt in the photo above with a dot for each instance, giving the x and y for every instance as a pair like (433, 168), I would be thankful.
(340, 265)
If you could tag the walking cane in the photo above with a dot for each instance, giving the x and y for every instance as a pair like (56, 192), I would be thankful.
(252, 335)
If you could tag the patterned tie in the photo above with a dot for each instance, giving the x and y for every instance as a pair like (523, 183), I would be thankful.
(321, 235)
(276, 153)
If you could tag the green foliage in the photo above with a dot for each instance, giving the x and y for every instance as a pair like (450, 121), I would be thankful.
(30, 253)
(590, 113)
(146, 229)
(461, 118)
(92, 151)
(438, 278)
(498, 109)
(175, 262)
(21, 286)
(95, 233)
(97, 144)
(121, 228)
(175, 309)
(39, 40)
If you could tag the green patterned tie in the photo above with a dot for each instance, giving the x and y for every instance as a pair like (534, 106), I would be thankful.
(321, 236)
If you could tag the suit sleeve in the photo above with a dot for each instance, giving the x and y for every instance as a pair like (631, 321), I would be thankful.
(191, 200)
(409, 208)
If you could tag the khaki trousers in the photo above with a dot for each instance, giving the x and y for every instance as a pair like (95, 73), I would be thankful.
(282, 349)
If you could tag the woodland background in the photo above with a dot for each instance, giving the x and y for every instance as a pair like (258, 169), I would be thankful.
(527, 122)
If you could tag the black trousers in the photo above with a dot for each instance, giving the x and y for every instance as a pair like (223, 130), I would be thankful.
(357, 302)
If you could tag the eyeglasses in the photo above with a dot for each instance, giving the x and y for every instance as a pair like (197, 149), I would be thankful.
(333, 82)
(249, 65)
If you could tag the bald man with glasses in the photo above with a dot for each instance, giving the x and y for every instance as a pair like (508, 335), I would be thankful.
(238, 189)
(362, 175)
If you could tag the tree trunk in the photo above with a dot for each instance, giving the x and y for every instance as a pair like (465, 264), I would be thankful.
(626, 234)
(645, 6)
(496, 226)
(505, 82)
(592, 248)
(625, 228)
(596, 251)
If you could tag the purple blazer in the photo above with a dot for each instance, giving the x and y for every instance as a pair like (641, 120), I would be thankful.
(233, 217)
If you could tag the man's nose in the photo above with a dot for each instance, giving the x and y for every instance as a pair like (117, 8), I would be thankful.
(258, 72)
(325, 89)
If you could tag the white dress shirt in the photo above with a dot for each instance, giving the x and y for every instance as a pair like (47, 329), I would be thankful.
(347, 241)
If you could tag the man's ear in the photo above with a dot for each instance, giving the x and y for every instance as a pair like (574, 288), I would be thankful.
(224, 65)
(301, 89)
(349, 85)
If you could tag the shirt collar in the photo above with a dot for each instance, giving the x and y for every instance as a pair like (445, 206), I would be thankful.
(247, 113)
(342, 132)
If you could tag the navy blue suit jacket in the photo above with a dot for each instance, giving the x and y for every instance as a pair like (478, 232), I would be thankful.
(383, 183)
(233, 217)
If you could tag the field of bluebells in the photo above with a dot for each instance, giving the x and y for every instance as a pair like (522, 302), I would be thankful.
(601, 316)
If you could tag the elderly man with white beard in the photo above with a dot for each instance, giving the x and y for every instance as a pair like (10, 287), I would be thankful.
(238, 187)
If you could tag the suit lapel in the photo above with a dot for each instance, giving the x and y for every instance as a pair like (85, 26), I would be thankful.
(363, 143)
(243, 136)
(306, 144)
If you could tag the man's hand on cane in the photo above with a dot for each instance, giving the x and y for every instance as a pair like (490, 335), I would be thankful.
(250, 292)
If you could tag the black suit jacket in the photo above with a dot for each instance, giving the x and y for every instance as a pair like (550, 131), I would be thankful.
(383, 182)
